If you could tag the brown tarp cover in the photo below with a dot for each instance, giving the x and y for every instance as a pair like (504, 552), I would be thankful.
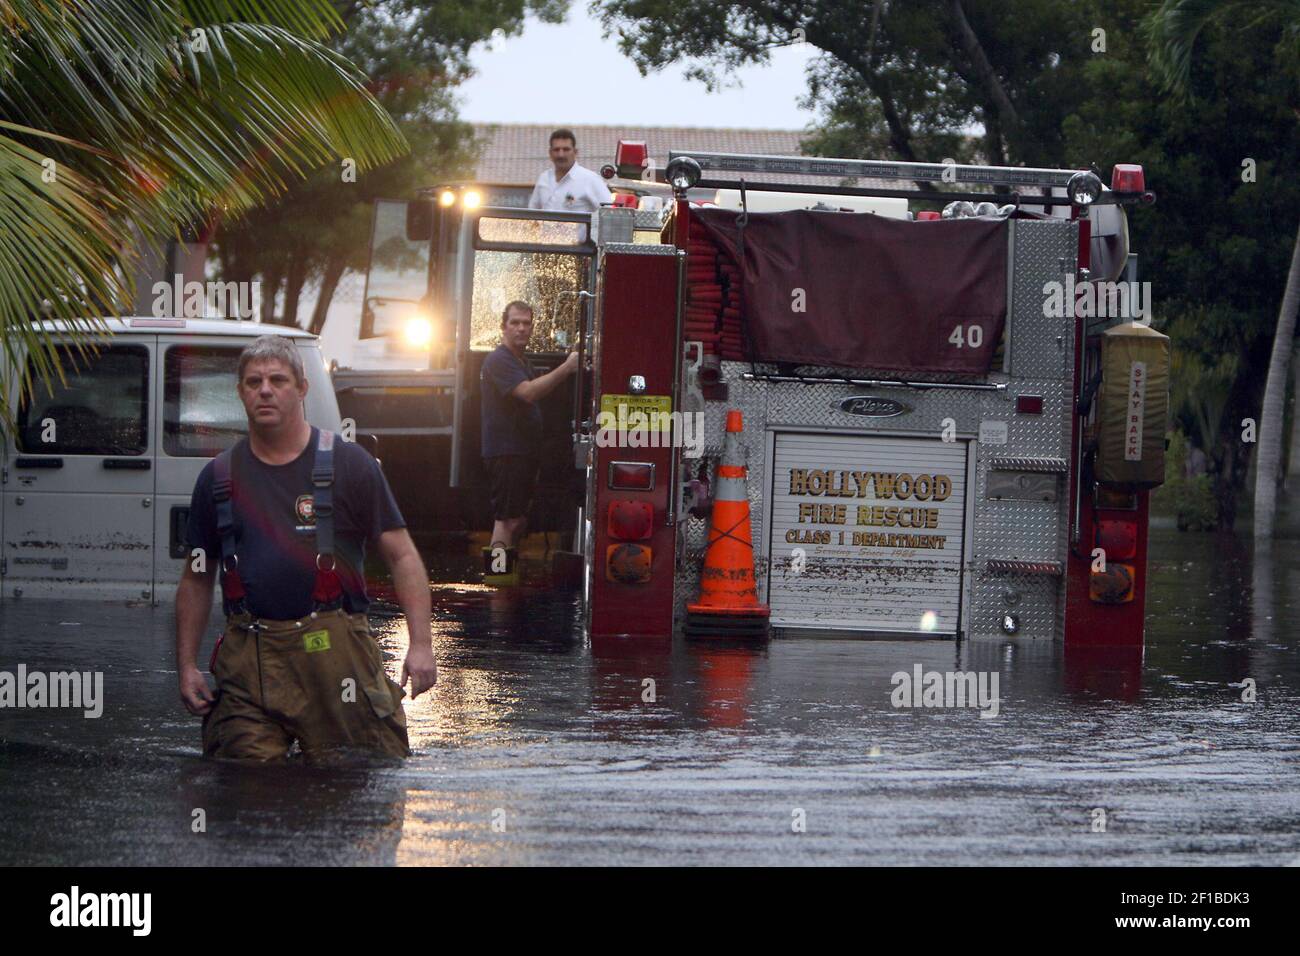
(879, 293)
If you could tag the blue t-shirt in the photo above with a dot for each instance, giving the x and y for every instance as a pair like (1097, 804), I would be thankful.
(275, 532)
(511, 426)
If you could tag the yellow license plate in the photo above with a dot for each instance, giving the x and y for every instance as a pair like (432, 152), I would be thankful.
(636, 411)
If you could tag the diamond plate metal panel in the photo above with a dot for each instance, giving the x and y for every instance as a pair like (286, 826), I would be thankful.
(1026, 463)
(1033, 598)
(640, 249)
(1042, 251)
(1041, 363)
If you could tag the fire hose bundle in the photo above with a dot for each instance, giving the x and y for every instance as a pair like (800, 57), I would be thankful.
(713, 297)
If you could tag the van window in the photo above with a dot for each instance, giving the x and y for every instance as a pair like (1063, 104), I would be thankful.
(202, 413)
(101, 409)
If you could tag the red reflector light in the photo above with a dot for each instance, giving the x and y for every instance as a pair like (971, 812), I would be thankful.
(1029, 404)
(1115, 499)
(628, 563)
(631, 476)
(928, 215)
(1112, 586)
(1127, 178)
(630, 520)
(1118, 539)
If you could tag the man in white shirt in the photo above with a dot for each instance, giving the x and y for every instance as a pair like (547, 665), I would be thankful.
(568, 187)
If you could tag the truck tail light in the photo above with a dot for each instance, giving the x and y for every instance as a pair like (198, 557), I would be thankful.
(1127, 178)
(628, 563)
(631, 476)
(1029, 404)
(1117, 538)
(1112, 586)
(630, 520)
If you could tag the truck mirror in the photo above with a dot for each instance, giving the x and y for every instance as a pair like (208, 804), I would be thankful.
(419, 220)
(1108, 245)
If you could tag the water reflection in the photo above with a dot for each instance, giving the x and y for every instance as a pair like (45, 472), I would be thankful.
(540, 747)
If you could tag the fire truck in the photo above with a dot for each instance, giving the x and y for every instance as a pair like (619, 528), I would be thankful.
(944, 435)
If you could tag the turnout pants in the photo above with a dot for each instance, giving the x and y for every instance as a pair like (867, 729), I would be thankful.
(320, 681)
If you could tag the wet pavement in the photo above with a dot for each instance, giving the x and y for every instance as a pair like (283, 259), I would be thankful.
(535, 750)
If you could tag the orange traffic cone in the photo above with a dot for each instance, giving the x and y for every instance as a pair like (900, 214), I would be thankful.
(728, 604)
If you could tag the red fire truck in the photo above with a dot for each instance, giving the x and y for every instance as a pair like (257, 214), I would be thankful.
(952, 416)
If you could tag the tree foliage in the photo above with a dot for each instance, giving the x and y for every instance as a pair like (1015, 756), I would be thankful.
(907, 79)
(415, 52)
(1062, 82)
(120, 116)
(1217, 245)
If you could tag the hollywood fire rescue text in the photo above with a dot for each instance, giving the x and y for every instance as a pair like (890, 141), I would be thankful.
(881, 485)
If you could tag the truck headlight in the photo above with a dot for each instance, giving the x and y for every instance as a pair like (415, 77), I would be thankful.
(683, 173)
(417, 333)
(1084, 188)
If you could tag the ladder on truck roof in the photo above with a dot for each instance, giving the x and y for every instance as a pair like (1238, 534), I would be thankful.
(948, 173)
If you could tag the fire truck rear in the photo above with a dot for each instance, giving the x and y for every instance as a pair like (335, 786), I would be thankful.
(951, 421)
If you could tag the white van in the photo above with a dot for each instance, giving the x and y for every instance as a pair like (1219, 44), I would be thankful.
(96, 478)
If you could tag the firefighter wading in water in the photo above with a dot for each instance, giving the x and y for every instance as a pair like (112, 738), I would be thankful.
(285, 516)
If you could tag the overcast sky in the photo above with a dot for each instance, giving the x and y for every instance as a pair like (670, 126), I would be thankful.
(567, 73)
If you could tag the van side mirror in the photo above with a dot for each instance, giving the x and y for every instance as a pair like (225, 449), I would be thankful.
(419, 220)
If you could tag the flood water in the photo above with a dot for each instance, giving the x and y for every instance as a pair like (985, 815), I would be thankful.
(535, 750)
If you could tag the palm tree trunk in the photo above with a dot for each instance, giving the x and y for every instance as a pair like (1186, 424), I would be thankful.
(1269, 463)
(295, 278)
(271, 281)
(334, 270)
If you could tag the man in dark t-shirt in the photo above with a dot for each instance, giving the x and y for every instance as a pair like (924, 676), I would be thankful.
(275, 525)
(296, 661)
(512, 422)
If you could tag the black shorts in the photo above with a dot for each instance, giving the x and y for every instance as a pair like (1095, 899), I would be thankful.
(511, 480)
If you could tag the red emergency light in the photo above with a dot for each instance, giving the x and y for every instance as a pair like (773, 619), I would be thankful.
(928, 215)
(1127, 178)
(625, 200)
(630, 157)
(1029, 404)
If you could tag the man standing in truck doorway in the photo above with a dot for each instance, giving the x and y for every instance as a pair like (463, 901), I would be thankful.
(512, 422)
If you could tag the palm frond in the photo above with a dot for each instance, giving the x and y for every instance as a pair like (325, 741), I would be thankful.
(147, 130)
(53, 240)
(1172, 30)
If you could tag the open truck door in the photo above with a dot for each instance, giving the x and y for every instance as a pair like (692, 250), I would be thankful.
(542, 258)
(442, 269)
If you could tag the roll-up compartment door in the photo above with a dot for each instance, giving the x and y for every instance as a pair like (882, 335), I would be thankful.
(867, 533)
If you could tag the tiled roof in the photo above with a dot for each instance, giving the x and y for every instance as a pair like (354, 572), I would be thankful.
(516, 153)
